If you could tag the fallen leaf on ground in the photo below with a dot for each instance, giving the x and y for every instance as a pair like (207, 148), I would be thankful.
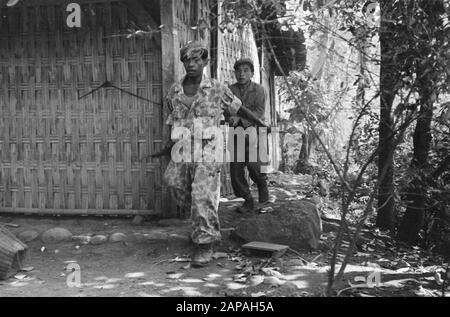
(424, 292)
(20, 276)
(365, 295)
(256, 280)
(438, 278)
(274, 281)
(240, 278)
(187, 266)
(266, 210)
(180, 259)
(259, 294)
(402, 270)
(220, 255)
(271, 272)
(174, 276)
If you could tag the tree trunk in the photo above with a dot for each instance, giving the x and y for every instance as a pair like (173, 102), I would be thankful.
(414, 218)
(303, 166)
(283, 150)
(386, 215)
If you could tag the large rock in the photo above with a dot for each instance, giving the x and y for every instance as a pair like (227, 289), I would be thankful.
(99, 239)
(117, 237)
(56, 235)
(296, 224)
(137, 220)
(28, 235)
(83, 239)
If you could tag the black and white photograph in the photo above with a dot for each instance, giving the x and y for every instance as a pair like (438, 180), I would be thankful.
(225, 154)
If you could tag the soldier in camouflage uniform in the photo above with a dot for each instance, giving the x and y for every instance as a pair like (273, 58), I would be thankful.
(196, 185)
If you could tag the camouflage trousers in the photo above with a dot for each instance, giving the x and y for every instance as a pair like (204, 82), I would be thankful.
(196, 187)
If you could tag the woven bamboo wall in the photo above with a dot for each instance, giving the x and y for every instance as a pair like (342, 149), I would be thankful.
(233, 46)
(236, 45)
(61, 153)
(188, 19)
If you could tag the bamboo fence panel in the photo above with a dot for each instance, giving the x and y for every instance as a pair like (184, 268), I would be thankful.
(62, 154)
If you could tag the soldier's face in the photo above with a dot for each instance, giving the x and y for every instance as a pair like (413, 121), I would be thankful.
(243, 74)
(194, 65)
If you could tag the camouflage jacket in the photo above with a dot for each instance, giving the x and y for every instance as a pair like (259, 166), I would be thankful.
(212, 100)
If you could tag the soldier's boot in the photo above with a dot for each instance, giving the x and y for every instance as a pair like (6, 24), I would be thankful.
(248, 206)
(203, 255)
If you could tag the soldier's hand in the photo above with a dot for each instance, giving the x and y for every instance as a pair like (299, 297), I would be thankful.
(233, 121)
(228, 97)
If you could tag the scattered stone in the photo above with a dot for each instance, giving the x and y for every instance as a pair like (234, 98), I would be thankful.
(28, 235)
(82, 239)
(99, 239)
(55, 235)
(117, 237)
(137, 220)
(296, 224)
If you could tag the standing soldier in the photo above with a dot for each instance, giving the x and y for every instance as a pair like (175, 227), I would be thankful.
(252, 97)
(196, 185)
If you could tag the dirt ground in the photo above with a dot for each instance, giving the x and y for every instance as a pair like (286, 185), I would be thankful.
(153, 261)
(143, 268)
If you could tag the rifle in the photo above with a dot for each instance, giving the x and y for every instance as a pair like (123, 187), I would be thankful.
(246, 113)
(166, 151)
